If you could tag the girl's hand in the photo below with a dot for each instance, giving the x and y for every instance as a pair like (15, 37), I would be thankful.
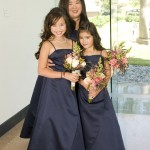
(50, 64)
(73, 77)
(83, 83)
(93, 93)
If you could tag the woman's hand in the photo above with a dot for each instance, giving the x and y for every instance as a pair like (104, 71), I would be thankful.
(50, 64)
(73, 77)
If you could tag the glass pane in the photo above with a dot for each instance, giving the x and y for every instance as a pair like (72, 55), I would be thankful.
(129, 21)
(131, 92)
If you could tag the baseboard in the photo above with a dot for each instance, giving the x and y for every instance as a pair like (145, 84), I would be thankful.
(10, 123)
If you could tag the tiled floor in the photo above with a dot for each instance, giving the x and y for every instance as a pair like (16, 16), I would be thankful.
(12, 141)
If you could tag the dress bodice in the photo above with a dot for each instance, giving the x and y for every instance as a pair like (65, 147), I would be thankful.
(90, 62)
(93, 59)
(58, 57)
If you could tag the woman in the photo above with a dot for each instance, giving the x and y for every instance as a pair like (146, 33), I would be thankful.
(76, 11)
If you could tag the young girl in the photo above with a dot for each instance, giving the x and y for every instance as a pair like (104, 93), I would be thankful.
(100, 126)
(76, 11)
(57, 125)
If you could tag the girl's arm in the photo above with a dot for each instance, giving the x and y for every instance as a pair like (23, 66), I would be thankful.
(107, 70)
(46, 50)
(83, 83)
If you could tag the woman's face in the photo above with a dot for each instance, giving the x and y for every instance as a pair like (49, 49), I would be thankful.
(75, 9)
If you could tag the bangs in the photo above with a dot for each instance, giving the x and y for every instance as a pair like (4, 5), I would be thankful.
(54, 21)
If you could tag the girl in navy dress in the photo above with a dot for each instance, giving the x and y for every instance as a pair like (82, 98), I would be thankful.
(76, 11)
(57, 125)
(100, 126)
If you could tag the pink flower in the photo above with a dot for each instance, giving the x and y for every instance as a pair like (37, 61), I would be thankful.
(113, 62)
(114, 54)
(118, 51)
(118, 57)
(98, 79)
(124, 60)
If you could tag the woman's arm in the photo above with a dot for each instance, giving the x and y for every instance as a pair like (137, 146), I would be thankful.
(50, 64)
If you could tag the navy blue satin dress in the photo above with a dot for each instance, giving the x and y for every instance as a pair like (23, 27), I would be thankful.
(57, 125)
(101, 130)
(32, 111)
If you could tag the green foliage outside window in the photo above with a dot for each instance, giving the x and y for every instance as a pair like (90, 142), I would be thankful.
(99, 20)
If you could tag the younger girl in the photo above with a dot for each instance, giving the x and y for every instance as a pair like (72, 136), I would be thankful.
(100, 126)
(57, 125)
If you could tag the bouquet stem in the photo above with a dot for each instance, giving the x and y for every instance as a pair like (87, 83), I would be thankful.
(73, 86)
(73, 83)
(90, 100)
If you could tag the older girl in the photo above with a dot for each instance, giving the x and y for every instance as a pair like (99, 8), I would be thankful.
(57, 125)
(77, 14)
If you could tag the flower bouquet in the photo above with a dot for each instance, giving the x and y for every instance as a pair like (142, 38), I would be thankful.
(118, 58)
(74, 62)
(94, 77)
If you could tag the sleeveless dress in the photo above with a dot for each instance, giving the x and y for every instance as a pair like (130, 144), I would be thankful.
(101, 130)
(57, 125)
(32, 110)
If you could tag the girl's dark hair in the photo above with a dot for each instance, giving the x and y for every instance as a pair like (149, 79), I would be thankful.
(51, 18)
(91, 28)
(83, 16)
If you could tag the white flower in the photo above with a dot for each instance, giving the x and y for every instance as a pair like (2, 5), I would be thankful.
(75, 63)
(83, 64)
(87, 80)
(69, 60)
(77, 72)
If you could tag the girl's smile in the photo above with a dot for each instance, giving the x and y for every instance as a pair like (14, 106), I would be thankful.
(59, 28)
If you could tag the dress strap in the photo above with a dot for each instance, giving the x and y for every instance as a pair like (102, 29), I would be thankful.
(52, 44)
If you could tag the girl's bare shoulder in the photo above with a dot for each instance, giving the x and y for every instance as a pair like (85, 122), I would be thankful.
(104, 53)
(47, 47)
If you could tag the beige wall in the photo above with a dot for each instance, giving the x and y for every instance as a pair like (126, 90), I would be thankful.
(20, 26)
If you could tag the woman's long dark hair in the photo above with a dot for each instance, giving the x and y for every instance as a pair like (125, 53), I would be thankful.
(51, 18)
(91, 28)
(83, 17)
